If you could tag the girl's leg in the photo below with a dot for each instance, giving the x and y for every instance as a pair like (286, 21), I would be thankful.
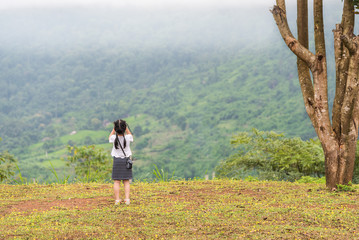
(126, 184)
(116, 189)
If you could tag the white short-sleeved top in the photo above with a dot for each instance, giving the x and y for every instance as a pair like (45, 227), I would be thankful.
(118, 152)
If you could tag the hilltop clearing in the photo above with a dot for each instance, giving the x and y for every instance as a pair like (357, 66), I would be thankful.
(216, 209)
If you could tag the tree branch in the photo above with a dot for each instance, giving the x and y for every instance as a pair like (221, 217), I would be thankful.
(348, 17)
(349, 44)
(342, 58)
(298, 49)
(319, 28)
(303, 69)
(351, 94)
(341, 63)
(302, 22)
(281, 4)
(319, 71)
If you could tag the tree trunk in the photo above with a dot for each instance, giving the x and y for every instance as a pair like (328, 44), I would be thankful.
(339, 161)
(339, 136)
(331, 166)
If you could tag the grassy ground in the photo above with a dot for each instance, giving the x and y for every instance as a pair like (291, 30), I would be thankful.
(216, 209)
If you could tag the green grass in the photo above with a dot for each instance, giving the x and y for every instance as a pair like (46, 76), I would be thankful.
(81, 135)
(36, 154)
(36, 151)
(217, 209)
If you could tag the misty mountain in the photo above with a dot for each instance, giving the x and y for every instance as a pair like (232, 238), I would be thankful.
(187, 78)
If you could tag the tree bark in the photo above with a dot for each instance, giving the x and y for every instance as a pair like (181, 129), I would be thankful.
(303, 69)
(348, 119)
(341, 62)
(339, 137)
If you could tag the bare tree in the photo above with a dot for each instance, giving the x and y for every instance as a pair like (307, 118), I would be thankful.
(338, 135)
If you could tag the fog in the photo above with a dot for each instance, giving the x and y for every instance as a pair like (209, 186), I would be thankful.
(143, 23)
(137, 27)
(6, 4)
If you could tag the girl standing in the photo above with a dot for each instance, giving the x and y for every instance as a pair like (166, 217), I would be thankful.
(121, 138)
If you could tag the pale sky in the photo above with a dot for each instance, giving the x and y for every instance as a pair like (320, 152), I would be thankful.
(9, 4)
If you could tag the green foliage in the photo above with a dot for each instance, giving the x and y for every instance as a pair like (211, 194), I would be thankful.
(20, 179)
(273, 156)
(60, 181)
(142, 143)
(139, 131)
(7, 165)
(90, 163)
(356, 5)
(251, 179)
(161, 175)
(309, 179)
(356, 165)
(346, 188)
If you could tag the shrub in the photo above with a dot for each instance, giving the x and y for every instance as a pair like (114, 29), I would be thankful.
(7, 165)
(309, 179)
(273, 157)
(90, 164)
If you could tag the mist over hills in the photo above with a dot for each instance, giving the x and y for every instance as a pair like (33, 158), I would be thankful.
(186, 79)
(130, 27)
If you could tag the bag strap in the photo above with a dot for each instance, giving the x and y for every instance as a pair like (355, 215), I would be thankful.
(121, 146)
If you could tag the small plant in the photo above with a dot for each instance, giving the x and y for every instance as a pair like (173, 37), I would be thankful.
(22, 179)
(345, 188)
(161, 175)
(309, 179)
(251, 179)
(64, 181)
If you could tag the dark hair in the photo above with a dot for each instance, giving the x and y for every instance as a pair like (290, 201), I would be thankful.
(120, 129)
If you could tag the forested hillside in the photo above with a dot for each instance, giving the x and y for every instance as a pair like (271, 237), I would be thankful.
(184, 79)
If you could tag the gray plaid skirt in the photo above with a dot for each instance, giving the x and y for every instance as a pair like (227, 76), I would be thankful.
(119, 170)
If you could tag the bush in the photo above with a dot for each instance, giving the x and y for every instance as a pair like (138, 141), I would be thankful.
(90, 164)
(345, 188)
(7, 165)
(273, 157)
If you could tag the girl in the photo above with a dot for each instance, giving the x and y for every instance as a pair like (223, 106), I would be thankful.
(121, 137)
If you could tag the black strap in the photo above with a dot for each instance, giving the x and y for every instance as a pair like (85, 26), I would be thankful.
(121, 145)
(129, 128)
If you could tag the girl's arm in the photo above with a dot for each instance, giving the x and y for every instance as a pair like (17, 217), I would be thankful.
(112, 133)
(128, 131)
